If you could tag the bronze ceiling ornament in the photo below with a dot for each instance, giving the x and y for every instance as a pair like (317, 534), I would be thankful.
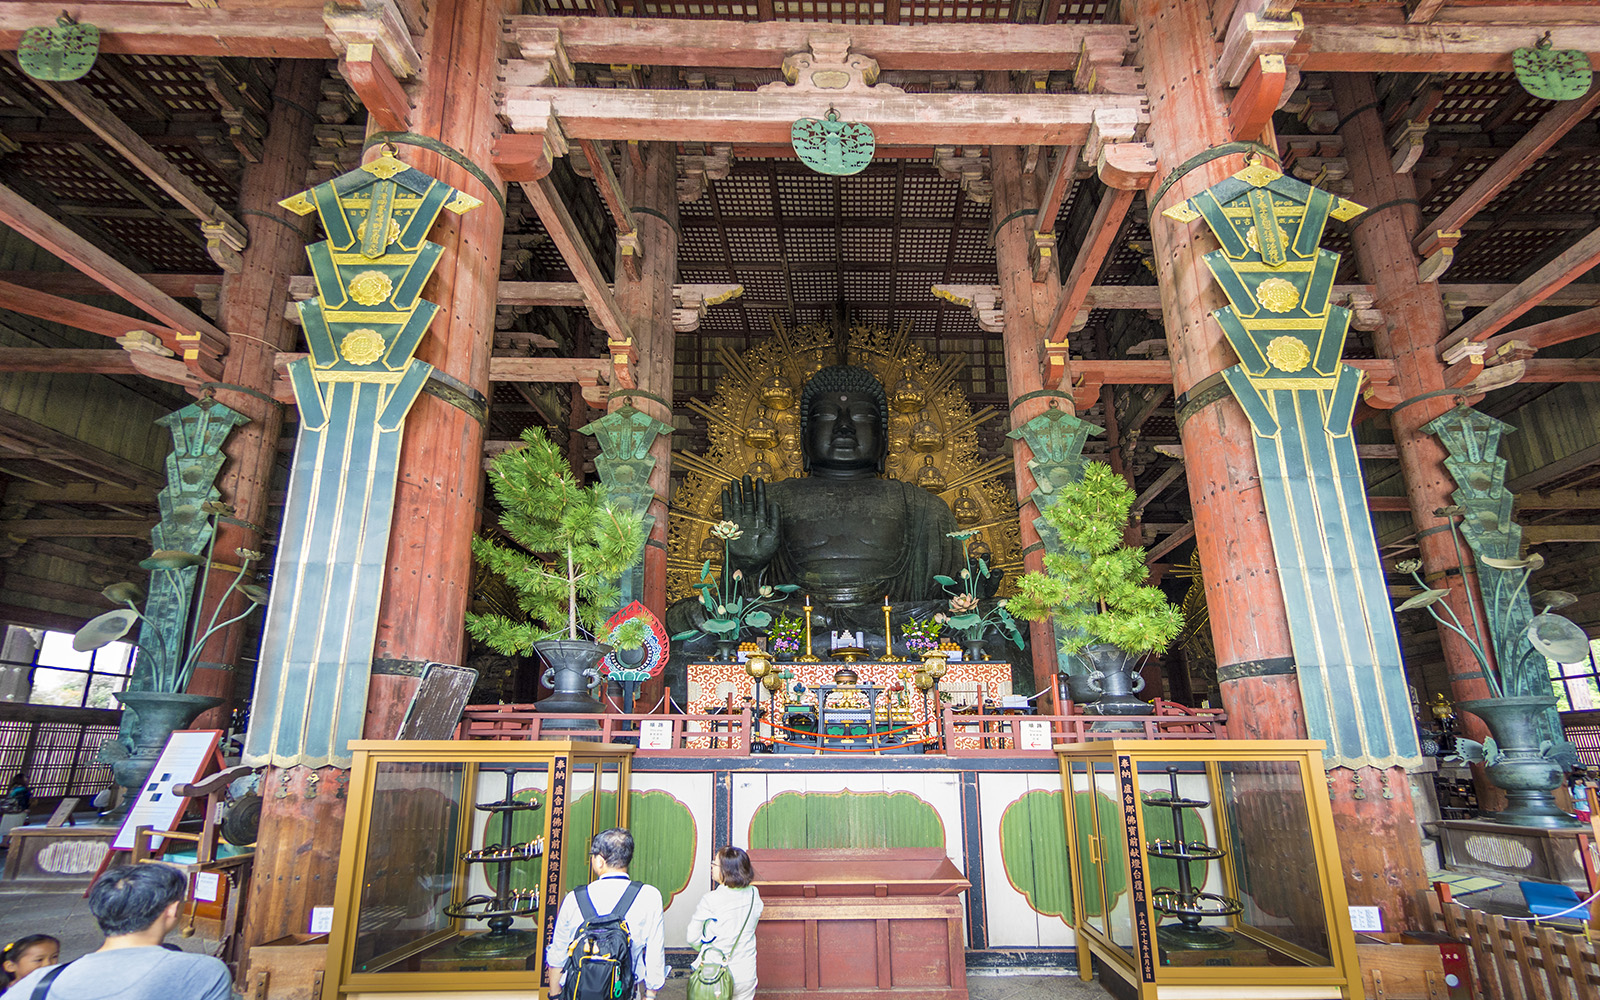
(1550, 73)
(830, 146)
(61, 53)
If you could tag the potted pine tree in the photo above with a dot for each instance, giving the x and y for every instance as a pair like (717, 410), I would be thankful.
(1093, 588)
(565, 547)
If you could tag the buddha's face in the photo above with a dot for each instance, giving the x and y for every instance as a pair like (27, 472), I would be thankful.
(843, 432)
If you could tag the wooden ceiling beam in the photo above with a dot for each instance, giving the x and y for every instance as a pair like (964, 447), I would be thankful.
(1554, 124)
(85, 527)
(1551, 471)
(1561, 370)
(209, 344)
(946, 47)
(1378, 41)
(67, 361)
(1554, 500)
(1079, 279)
(93, 463)
(92, 319)
(564, 233)
(1569, 265)
(1574, 326)
(1545, 534)
(179, 286)
(1169, 543)
(267, 30)
(225, 236)
(79, 493)
(967, 119)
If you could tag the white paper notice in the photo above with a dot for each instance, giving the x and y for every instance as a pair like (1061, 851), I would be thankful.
(1035, 734)
(322, 920)
(206, 886)
(1366, 918)
(655, 734)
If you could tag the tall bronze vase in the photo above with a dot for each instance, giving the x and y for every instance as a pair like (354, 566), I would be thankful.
(572, 671)
(1528, 778)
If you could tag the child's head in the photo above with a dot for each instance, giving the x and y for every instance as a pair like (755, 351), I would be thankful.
(731, 865)
(24, 955)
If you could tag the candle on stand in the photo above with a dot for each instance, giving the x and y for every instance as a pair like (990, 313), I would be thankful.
(808, 657)
(888, 636)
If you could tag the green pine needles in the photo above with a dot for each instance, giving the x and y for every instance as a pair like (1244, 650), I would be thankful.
(1094, 588)
(580, 542)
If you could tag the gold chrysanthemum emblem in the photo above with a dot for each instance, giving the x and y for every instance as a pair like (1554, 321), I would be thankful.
(361, 347)
(371, 287)
(1289, 354)
(1278, 295)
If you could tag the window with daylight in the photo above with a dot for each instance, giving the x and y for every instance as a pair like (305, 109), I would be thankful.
(1577, 685)
(64, 676)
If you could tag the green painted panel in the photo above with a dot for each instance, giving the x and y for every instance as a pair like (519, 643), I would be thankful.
(846, 819)
(1033, 848)
(666, 857)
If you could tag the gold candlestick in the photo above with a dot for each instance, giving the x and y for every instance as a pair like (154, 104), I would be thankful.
(888, 636)
(807, 658)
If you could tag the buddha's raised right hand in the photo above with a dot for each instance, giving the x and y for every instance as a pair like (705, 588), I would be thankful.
(746, 505)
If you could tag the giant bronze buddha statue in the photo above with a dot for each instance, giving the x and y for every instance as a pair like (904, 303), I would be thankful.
(844, 534)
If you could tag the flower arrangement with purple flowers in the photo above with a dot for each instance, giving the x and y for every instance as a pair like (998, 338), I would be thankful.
(922, 634)
(785, 635)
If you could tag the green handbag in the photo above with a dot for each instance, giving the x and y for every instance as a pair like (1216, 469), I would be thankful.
(712, 980)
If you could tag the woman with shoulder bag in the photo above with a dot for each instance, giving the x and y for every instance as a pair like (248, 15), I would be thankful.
(723, 928)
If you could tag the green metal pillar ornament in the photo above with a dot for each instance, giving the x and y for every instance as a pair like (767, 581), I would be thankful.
(61, 53)
(354, 391)
(1473, 440)
(1055, 439)
(1300, 399)
(188, 505)
(625, 437)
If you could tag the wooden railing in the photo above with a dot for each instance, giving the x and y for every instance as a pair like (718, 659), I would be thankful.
(725, 735)
(1519, 960)
(694, 735)
(1024, 736)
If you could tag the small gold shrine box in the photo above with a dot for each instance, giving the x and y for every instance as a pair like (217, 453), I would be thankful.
(1207, 868)
(456, 855)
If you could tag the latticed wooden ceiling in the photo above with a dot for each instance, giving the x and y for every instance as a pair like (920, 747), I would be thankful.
(804, 245)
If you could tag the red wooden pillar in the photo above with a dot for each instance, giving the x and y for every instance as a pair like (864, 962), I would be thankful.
(1188, 115)
(1378, 837)
(1413, 325)
(1028, 308)
(253, 302)
(440, 481)
(651, 189)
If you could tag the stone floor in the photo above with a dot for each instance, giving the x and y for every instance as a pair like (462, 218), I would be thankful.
(65, 914)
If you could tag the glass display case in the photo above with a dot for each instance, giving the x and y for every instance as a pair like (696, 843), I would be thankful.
(1207, 864)
(456, 855)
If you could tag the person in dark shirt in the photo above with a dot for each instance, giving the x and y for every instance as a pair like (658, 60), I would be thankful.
(136, 907)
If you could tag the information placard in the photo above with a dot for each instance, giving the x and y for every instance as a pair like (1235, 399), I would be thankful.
(184, 759)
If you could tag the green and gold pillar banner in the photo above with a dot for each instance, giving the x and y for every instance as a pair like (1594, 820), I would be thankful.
(354, 391)
(1300, 399)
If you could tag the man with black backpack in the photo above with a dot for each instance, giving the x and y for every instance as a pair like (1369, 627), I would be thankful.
(609, 941)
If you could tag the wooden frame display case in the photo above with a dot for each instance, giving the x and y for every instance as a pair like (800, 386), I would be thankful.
(1208, 868)
(455, 857)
